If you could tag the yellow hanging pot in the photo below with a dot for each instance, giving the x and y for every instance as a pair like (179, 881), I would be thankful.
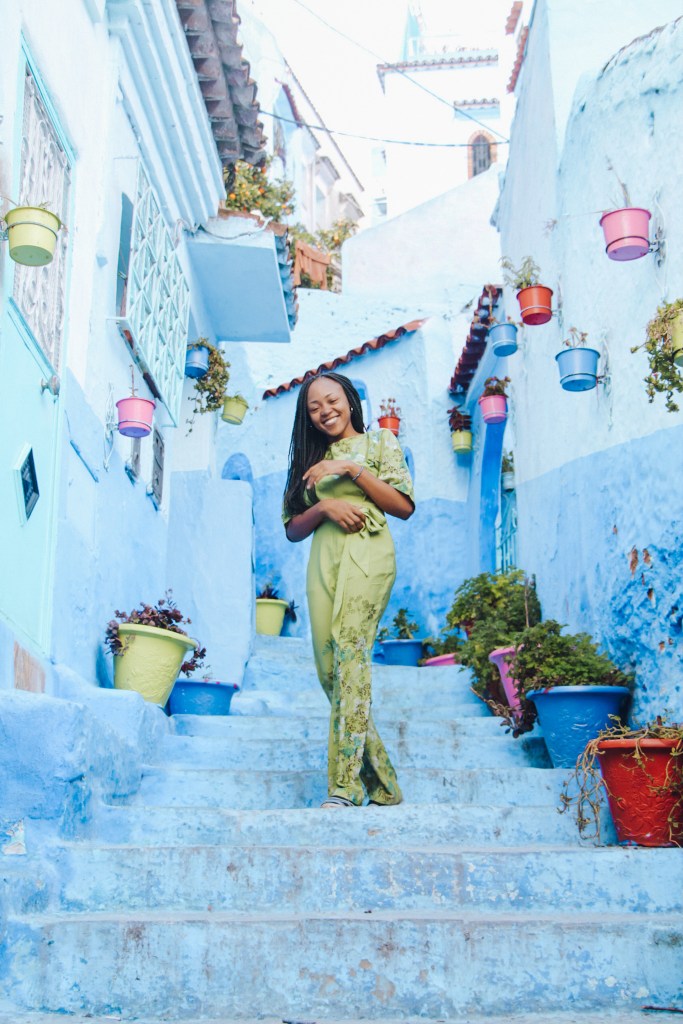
(462, 441)
(32, 233)
(234, 409)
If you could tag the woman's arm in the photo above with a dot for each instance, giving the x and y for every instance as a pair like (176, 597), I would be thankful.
(386, 497)
(344, 513)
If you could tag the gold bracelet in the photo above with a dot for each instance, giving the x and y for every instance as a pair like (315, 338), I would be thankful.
(354, 478)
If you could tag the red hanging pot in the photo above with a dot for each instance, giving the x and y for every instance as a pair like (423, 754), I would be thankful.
(391, 423)
(645, 794)
(494, 408)
(535, 304)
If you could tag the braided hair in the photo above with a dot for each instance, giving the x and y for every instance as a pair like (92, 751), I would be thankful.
(308, 444)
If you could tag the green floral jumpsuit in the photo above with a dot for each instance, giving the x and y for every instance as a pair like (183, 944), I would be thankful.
(350, 576)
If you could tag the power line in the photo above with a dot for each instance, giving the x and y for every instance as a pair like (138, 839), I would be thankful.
(367, 138)
(400, 71)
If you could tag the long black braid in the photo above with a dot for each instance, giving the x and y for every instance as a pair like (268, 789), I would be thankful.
(308, 444)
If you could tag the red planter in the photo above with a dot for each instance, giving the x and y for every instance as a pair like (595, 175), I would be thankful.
(494, 408)
(135, 416)
(391, 423)
(626, 233)
(642, 814)
(535, 304)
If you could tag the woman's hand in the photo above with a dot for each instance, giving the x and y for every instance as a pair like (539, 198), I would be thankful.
(348, 517)
(328, 467)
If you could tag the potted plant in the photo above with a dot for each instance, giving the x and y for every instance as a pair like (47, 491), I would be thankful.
(493, 400)
(626, 229)
(578, 365)
(202, 697)
(664, 348)
(234, 408)
(32, 234)
(503, 337)
(209, 390)
(575, 690)
(641, 771)
(390, 415)
(150, 649)
(271, 610)
(399, 646)
(534, 298)
(135, 413)
(507, 471)
(461, 431)
(197, 359)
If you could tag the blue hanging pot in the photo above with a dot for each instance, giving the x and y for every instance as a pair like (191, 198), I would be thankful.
(571, 716)
(197, 362)
(503, 338)
(578, 368)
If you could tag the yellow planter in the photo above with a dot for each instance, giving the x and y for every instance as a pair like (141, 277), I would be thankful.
(151, 660)
(462, 441)
(32, 234)
(677, 339)
(234, 410)
(270, 615)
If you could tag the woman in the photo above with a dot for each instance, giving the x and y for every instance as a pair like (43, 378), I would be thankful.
(341, 482)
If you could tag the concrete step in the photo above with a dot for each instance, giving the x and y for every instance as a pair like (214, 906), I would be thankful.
(256, 790)
(279, 674)
(233, 728)
(547, 1017)
(290, 966)
(368, 827)
(306, 879)
(311, 754)
(312, 703)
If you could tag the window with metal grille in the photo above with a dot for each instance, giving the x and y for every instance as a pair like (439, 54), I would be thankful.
(481, 154)
(158, 468)
(157, 301)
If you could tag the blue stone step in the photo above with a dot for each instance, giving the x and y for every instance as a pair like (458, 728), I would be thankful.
(368, 827)
(303, 879)
(234, 728)
(312, 703)
(256, 790)
(430, 964)
(546, 1017)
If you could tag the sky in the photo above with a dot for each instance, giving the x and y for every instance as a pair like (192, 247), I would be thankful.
(339, 76)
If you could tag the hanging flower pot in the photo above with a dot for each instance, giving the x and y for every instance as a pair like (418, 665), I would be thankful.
(644, 783)
(571, 716)
(234, 409)
(150, 660)
(507, 480)
(135, 416)
(389, 416)
(197, 361)
(494, 408)
(462, 441)
(578, 368)
(32, 234)
(202, 697)
(535, 304)
(677, 339)
(503, 338)
(626, 233)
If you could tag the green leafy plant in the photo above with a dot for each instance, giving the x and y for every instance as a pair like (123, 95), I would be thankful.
(527, 274)
(664, 378)
(459, 420)
(403, 628)
(496, 386)
(585, 788)
(163, 615)
(248, 190)
(209, 390)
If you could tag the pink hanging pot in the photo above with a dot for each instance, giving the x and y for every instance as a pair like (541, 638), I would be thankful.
(135, 416)
(626, 233)
(494, 408)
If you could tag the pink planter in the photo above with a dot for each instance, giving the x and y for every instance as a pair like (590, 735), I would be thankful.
(494, 408)
(135, 416)
(440, 659)
(626, 233)
(498, 658)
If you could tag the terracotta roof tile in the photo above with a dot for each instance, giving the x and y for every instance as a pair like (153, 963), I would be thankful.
(368, 346)
(519, 59)
(513, 17)
(475, 342)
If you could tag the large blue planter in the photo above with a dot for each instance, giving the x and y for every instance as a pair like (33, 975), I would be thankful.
(571, 716)
(400, 652)
(578, 368)
(197, 362)
(503, 338)
(199, 697)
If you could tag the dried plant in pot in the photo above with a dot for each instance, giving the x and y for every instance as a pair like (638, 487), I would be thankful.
(626, 228)
(534, 299)
(577, 363)
(640, 771)
(664, 348)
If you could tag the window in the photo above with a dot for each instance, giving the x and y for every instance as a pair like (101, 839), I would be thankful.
(481, 155)
(123, 266)
(157, 468)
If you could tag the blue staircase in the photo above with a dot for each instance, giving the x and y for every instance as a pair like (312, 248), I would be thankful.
(223, 892)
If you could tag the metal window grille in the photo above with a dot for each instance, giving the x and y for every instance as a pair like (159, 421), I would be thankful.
(158, 467)
(157, 300)
(481, 155)
(39, 292)
(506, 548)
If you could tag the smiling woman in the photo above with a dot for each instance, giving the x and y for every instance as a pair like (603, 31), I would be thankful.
(341, 483)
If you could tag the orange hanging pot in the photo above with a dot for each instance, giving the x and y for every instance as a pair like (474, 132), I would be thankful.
(535, 304)
(391, 423)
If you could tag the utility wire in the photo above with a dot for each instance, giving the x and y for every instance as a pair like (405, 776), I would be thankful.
(367, 138)
(400, 71)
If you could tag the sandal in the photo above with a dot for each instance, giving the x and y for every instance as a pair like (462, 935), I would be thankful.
(336, 801)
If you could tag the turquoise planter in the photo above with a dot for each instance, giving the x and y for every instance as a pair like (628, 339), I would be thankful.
(400, 652)
(571, 716)
(503, 338)
(197, 362)
(190, 697)
(578, 368)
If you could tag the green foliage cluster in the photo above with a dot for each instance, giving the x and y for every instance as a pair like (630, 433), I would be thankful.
(327, 240)
(664, 378)
(403, 628)
(247, 189)
(545, 657)
(527, 274)
(209, 390)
